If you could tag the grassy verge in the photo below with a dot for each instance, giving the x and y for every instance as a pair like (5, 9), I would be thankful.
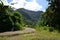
(38, 35)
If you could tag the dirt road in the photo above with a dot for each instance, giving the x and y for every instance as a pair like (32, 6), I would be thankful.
(26, 30)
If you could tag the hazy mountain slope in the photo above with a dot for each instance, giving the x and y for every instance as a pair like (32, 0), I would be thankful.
(30, 16)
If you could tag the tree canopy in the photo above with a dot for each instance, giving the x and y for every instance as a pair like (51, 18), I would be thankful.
(9, 21)
(52, 14)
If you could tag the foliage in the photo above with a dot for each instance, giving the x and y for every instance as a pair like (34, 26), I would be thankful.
(16, 20)
(4, 18)
(52, 15)
(31, 18)
(8, 20)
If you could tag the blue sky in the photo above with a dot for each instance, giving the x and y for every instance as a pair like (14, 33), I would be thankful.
(34, 5)
(9, 1)
(44, 3)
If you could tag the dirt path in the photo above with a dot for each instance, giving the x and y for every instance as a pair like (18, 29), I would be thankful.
(26, 30)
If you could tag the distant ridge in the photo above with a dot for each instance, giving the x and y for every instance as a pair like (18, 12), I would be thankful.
(30, 16)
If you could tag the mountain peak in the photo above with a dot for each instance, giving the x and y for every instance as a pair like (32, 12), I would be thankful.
(30, 16)
(27, 10)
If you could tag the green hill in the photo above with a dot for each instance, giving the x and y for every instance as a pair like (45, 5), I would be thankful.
(30, 17)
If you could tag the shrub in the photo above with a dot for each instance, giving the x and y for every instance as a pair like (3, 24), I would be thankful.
(51, 29)
(16, 21)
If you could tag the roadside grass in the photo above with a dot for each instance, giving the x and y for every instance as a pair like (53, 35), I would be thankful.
(40, 34)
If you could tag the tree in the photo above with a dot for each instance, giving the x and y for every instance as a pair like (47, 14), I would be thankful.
(9, 21)
(4, 17)
(52, 14)
(17, 21)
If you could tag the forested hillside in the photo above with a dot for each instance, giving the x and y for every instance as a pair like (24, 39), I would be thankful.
(30, 17)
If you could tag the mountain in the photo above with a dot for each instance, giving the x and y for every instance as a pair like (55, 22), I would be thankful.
(30, 16)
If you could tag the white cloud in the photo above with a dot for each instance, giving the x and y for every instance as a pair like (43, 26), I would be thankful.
(5, 2)
(19, 3)
(33, 5)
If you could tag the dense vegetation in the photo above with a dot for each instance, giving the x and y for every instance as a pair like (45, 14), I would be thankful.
(47, 24)
(52, 15)
(31, 18)
(9, 21)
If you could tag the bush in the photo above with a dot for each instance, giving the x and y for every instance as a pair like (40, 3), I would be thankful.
(5, 23)
(51, 29)
(17, 21)
(9, 21)
(17, 26)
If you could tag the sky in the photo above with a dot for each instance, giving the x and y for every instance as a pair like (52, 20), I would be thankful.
(34, 5)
